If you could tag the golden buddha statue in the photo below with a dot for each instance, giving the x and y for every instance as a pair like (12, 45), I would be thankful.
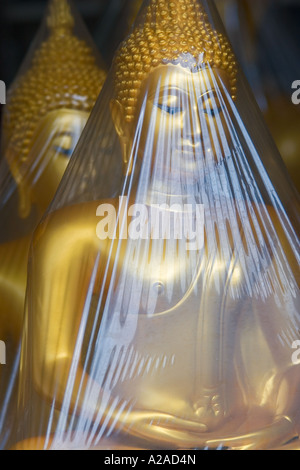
(47, 109)
(135, 341)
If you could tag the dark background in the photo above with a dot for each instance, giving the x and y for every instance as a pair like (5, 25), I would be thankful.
(20, 20)
(277, 32)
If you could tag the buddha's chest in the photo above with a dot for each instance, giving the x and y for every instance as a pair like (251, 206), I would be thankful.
(158, 276)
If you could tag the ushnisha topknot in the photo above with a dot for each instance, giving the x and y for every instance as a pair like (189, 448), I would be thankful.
(60, 18)
(63, 74)
(169, 31)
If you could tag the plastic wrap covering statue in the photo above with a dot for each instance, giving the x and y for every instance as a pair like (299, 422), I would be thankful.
(163, 293)
(47, 108)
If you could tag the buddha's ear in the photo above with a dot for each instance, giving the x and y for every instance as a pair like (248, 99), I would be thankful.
(118, 117)
(12, 158)
(122, 129)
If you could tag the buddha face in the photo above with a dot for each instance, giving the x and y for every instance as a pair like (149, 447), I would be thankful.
(52, 146)
(57, 137)
(183, 125)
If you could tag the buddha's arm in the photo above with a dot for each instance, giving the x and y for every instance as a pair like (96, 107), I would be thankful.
(278, 319)
(65, 249)
(284, 269)
(13, 275)
(215, 331)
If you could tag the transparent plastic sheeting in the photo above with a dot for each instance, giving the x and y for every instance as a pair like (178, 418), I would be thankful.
(47, 108)
(163, 297)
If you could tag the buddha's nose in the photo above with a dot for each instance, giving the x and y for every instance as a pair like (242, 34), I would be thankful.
(193, 126)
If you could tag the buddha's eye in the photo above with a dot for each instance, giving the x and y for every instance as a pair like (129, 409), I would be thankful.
(169, 102)
(64, 145)
(211, 105)
(170, 109)
(213, 112)
(63, 151)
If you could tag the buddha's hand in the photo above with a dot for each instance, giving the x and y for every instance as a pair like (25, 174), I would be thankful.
(210, 409)
(164, 429)
(269, 437)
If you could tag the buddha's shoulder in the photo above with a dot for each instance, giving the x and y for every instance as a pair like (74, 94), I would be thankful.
(83, 210)
(72, 219)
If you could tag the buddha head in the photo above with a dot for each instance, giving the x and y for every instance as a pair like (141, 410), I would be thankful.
(176, 72)
(47, 109)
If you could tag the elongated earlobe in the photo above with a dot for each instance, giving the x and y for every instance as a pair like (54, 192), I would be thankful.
(127, 158)
(24, 191)
(117, 115)
(122, 129)
(24, 201)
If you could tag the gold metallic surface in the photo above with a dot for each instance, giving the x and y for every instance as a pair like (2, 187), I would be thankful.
(63, 75)
(47, 109)
(205, 406)
(212, 417)
(63, 241)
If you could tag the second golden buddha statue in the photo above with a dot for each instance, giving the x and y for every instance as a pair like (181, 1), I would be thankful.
(47, 108)
(136, 342)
